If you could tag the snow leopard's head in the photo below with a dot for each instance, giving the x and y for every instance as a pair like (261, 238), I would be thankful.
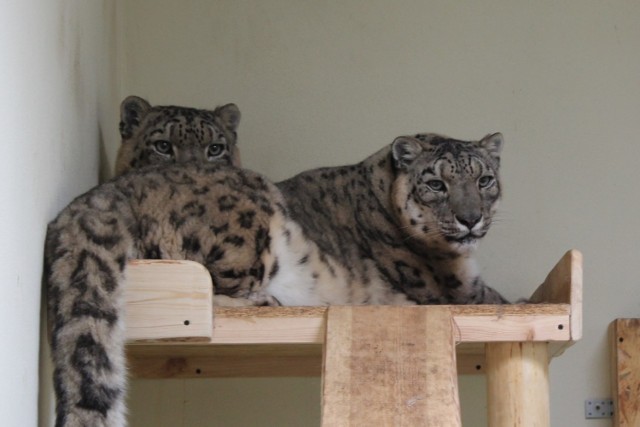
(154, 135)
(446, 191)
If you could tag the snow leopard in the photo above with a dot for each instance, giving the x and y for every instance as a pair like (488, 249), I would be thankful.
(170, 134)
(399, 227)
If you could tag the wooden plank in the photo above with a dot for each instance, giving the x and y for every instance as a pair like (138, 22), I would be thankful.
(278, 328)
(390, 366)
(521, 326)
(168, 300)
(470, 358)
(163, 294)
(252, 361)
(477, 323)
(625, 372)
(563, 285)
(269, 325)
(518, 384)
(305, 325)
(220, 361)
(336, 405)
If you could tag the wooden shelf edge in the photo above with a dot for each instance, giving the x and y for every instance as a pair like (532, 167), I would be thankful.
(563, 285)
(306, 325)
(287, 341)
(624, 345)
(255, 361)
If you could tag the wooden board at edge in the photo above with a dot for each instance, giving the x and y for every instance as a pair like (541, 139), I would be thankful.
(625, 372)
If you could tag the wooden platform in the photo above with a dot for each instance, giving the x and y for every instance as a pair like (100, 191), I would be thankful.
(172, 334)
(288, 341)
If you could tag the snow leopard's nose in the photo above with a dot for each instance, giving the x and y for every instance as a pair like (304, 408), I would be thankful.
(469, 221)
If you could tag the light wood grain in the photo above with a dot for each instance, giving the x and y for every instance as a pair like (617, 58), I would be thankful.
(519, 326)
(563, 285)
(474, 323)
(220, 361)
(404, 366)
(268, 360)
(625, 371)
(168, 300)
(163, 294)
(518, 384)
(306, 328)
(256, 361)
(282, 327)
(396, 372)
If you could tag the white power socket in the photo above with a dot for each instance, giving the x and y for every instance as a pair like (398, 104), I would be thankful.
(598, 408)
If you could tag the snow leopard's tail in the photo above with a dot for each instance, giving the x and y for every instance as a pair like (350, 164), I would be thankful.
(87, 248)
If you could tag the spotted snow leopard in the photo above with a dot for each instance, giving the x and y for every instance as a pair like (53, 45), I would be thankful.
(400, 227)
(151, 135)
(169, 134)
(402, 224)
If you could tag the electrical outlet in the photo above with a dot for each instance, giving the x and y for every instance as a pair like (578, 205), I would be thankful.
(598, 408)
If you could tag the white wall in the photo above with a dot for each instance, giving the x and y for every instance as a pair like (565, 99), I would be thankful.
(327, 83)
(54, 80)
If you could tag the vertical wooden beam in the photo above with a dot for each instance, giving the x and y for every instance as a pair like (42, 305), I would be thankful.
(390, 366)
(625, 372)
(518, 384)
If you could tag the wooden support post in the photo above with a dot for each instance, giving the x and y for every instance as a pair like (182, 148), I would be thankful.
(390, 366)
(518, 384)
(625, 372)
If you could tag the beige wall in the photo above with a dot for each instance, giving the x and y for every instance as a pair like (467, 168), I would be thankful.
(327, 83)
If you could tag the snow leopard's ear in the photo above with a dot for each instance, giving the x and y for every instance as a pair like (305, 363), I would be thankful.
(132, 111)
(229, 115)
(405, 149)
(493, 143)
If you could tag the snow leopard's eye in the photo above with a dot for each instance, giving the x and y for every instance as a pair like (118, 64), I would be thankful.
(436, 185)
(163, 147)
(486, 181)
(214, 150)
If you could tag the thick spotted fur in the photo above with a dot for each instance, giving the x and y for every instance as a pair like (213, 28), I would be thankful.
(402, 225)
(169, 134)
(399, 227)
(213, 214)
(152, 136)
